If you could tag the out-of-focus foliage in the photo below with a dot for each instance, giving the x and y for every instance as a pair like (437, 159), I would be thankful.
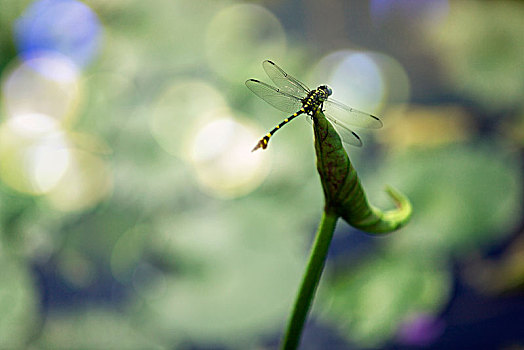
(18, 302)
(484, 46)
(477, 193)
(476, 188)
(369, 301)
(216, 254)
(93, 329)
(133, 215)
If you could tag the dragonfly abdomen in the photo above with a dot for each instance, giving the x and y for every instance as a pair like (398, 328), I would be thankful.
(262, 143)
(309, 106)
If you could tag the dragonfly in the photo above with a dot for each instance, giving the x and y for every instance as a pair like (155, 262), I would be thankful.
(292, 96)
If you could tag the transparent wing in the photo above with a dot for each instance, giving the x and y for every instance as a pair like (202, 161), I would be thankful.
(348, 136)
(275, 97)
(285, 81)
(345, 115)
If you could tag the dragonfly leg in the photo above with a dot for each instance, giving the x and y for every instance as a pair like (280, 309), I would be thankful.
(262, 143)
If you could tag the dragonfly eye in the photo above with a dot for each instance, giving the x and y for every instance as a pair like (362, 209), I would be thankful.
(327, 89)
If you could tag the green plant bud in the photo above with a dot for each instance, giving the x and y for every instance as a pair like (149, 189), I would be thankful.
(343, 192)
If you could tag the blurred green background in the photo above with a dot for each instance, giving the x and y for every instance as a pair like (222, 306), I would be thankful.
(133, 215)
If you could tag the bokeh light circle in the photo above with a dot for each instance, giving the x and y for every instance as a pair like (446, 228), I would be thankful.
(86, 181)
(38, 157)
(397, 83)
(366, 81)
(359, 76)
(239, 37)
(221, 155)
(68, 27)
(54, 89)
(354, 78)
(179, 110)
(34, 153)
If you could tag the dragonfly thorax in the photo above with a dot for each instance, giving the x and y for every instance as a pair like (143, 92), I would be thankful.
(315, 98)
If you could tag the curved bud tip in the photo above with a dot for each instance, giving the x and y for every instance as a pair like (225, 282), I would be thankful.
(400, 200)
(400, 216)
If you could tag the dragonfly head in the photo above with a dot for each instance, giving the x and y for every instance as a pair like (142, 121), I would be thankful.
(326, 89)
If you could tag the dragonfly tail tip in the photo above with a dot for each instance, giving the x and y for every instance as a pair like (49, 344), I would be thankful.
(260, 144)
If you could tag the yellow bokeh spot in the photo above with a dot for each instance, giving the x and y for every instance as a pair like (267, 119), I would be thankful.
(86, 182)
(48, 84)
(179, 110)
(38, 157)
(426, 127)
(34, 153)
(222, 158)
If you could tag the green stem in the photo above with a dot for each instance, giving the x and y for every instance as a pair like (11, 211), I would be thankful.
(310, 280)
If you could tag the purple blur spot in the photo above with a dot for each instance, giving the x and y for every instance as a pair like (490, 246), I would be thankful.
(420, 330)
(408, 10)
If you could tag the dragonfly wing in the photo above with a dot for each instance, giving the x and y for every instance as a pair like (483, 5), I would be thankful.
(348, 136)
(345, 115)
(285, 81)
(275, 97)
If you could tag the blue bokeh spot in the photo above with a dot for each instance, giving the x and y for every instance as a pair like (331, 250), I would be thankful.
(68, 27)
